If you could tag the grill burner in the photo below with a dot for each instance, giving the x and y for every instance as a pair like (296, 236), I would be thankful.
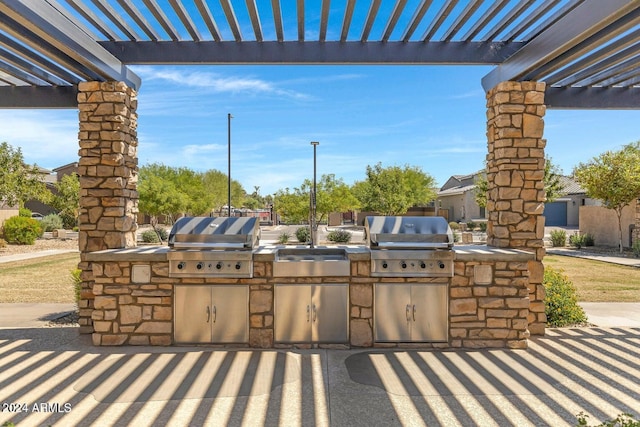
(410, 246)
(212, 247)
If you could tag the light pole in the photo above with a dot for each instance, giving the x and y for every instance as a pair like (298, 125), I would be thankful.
(229, 117)
(312, 220)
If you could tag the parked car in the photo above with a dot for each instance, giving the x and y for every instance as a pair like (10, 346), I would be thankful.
(37, 216)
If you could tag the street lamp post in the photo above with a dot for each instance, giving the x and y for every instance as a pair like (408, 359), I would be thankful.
(229, 117)
(312, 220)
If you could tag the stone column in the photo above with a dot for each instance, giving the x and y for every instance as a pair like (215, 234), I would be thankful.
(636, 230)
(108, 170)
(515, 172)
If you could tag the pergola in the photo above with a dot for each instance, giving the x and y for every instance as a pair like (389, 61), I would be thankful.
(547, 54)
(586, 51)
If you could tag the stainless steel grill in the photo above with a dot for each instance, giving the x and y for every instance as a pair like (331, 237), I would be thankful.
(410, 246)
(213, 247)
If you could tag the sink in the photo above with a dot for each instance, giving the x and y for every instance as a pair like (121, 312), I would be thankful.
(315, 262)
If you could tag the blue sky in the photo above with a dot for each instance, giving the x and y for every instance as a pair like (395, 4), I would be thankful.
(426, 116)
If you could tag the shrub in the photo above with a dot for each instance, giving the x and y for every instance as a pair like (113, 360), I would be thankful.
(162, 233)
(22, 231)
(150, 236)
(339, 236)
(51, 222)
(558, 238)
(24, 212)
(454, 225)
(68, 221)
(482, 226)
(589, 240)
(636, 248)
(77, 283)
(303, 234)
(284, 238)
(3, 243)
(622, 420)
(471, 225)
(579, 240)
(561, 302)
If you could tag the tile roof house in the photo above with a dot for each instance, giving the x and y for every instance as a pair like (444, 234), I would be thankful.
(457, 196)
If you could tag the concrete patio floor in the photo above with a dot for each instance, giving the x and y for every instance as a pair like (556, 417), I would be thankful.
(73, 383)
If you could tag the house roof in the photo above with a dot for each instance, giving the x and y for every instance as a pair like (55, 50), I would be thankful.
(586, 51)
(460, 184)
(570, 186)
(454, 191)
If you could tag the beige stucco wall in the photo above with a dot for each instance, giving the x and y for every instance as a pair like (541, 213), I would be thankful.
(7, 213)
(602, 224)
(460, 204)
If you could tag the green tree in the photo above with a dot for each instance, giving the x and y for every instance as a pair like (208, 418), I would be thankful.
(19, 182)
(552, 181)
(333, 196)
(67, 199)
(158, 192)
(614, 178)
(217, 190)
(482, 189)
(292, 205)
(393, 190)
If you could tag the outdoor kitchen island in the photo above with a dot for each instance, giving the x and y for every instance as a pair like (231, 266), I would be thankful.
(485, 303)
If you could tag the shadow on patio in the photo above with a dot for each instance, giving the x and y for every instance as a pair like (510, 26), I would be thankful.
(570, 370)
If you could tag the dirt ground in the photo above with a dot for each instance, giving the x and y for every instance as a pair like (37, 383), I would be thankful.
(40, 245)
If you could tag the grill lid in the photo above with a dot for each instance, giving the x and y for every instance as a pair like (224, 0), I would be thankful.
(408, 232)
(215, 233)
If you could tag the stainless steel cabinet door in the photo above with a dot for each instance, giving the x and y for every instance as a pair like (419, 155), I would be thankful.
(230, 314)
(392, 312)
(329, 313)
(192, 314)
(292, 313)
(429, 312)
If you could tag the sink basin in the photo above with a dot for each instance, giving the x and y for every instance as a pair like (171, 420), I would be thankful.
(311, 262)
(311, 254)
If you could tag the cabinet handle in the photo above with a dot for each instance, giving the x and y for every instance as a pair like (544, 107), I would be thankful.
(315, 313)
(414, 312)
(406, 313)
(208, 314)
(215, 314)
(308, 313)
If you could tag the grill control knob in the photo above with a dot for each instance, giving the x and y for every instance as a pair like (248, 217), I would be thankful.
(423, 265)
(199, 266)
(238, 266)
(180, 265)
(441, 264)
(404, 264)
(384, 265)
(218, 266)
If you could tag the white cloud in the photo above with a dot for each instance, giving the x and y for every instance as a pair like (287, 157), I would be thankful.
(46, 137)
(216, 82)
(192, 150)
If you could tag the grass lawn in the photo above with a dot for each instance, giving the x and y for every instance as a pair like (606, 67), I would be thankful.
(46, 279)
(597, 281)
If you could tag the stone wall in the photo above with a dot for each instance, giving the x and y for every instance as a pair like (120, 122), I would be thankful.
(515, 172)
(108, 170)
(132, 313)
(488, 301)
(636, 231)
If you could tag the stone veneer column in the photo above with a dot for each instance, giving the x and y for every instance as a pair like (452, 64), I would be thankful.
(515, 172)
(108, 170)
(636, 230)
